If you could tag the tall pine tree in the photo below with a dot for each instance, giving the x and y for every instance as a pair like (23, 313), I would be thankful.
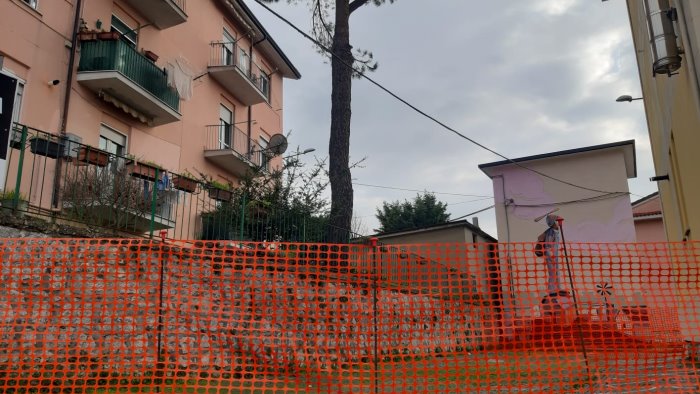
(336, 36)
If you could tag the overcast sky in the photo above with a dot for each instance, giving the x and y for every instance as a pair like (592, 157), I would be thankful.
(523, 77)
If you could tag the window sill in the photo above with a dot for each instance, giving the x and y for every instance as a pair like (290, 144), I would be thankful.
(33, 11)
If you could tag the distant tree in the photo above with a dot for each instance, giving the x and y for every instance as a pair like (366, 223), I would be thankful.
(331, 28)
(424, 210)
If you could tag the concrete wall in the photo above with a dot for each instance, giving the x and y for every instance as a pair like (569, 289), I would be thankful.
(94, 304)
(650, 229)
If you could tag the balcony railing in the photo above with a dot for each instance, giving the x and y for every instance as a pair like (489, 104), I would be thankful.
(231, 138)
(228, 55)
(116, 55)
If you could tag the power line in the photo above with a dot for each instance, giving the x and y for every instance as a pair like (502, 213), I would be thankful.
(421, 112)
(589, 199)
(473, 213)
(420, 191)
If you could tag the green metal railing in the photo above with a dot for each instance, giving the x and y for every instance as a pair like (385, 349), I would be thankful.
(116, 55)
(101, 190)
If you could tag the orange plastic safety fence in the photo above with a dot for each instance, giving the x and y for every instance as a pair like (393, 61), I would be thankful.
(101, 316)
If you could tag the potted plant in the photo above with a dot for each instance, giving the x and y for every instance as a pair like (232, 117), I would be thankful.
(90, 155)
(185, 182)
(47, 145)
(8, 201)
(16, 137)
(219, 191)
(88, 35)
(143, 169)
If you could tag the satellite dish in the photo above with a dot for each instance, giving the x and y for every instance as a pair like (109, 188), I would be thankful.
(278, 144)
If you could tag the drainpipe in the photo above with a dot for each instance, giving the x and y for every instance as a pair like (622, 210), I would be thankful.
(66, 99)
(250, 107)
(509, 307)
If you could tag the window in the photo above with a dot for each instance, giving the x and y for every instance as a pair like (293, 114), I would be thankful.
(114, 143)
(225, 127)
(228, 47)
(31, 3)
(244, 61)
(264, 84)
(129, 35)
(17, 109)
(264, 154)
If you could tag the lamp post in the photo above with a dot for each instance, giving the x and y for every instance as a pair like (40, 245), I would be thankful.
(627, 98)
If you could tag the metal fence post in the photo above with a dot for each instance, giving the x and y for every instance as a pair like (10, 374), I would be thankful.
(18, 181)
(151, 225)
(375, 260)
(243, 202)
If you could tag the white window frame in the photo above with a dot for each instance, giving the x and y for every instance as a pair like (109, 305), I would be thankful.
(228, 47)
(123, 33)
(265, 157)
(266, 88)
(34, 4)
(222, 129)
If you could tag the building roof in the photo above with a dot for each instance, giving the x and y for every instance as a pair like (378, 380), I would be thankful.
(647, 206)
(440, 226)
(263, 40)
(628, 148)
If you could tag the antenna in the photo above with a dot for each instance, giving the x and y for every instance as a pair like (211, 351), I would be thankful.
(278, 144)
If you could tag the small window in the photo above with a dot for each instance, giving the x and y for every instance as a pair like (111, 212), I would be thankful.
(264, 84)
(31, 3)
(129, 35)
(16, 111)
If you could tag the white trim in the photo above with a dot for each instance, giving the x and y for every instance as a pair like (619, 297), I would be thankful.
(116, 133)
(28, 3)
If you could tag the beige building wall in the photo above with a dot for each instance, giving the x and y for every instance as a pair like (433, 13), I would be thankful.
(523, 194)
(672, 106)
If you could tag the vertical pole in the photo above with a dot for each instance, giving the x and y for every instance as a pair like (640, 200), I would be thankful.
(153, 204)
(160, 364)
(303, 229)
(560, 221)
(243, 202)
(18, 181)
(375, 273)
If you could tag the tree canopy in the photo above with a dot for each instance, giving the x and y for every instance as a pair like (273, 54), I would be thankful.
(425, 210)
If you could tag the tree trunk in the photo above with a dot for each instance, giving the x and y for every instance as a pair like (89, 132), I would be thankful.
(339, 144)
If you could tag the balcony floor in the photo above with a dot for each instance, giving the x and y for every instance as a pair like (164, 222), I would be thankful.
(162, 13)
(236, 82)
(229, 160)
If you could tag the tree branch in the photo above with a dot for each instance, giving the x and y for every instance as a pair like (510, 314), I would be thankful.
(357, 4)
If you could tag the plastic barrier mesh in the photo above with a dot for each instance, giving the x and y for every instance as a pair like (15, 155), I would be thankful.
(103, 316)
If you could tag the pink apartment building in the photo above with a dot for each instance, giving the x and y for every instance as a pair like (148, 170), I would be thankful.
(193, 86)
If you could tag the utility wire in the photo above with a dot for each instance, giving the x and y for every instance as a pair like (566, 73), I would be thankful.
(472, 213)
(420, 191)
(416, 109)
(589, 199)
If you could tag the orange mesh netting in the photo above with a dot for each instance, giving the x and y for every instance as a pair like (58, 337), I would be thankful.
(103, 316)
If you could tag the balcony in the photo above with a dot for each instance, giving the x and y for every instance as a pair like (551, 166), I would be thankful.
(230, 148)
(231, 67)
(119, 74)
(162, 13)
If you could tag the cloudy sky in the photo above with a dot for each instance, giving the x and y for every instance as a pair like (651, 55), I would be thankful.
(521, 76)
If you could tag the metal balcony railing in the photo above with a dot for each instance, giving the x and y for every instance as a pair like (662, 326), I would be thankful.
(229, 137)
(116, 55)
(230, 54)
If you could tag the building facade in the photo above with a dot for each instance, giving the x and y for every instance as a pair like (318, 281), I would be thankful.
(587, 187)
(669, 78)
(193, 87)
(648, 219)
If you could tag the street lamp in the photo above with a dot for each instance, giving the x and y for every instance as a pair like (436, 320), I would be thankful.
(627, 98)
(309, 150)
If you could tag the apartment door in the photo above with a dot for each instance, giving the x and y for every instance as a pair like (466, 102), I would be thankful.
(227, 48)
(8, 92)
(225, 127)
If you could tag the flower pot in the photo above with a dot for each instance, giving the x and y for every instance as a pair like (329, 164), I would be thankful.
(87, 36)
(16, 138)
(151, 56)
(143, 171)
(185, 184)
(108, 35)
(220, 194)
(95, 156)
(44, 146)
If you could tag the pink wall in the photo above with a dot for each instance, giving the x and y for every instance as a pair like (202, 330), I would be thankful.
(650, 230)
(33, 42)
